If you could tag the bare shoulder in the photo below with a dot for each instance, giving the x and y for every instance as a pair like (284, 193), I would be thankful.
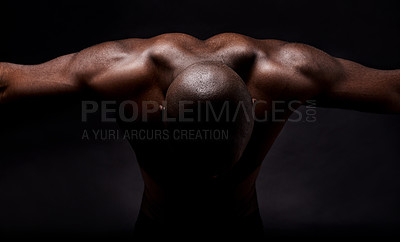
(292, 70)
(305, 59)
(298, 61)
(130, 46)
(107, 53)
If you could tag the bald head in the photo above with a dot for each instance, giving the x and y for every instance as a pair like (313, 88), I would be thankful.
(207, 81)
(211, 96)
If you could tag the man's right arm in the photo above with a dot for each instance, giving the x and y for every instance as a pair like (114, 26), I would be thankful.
(109, 69)
(55, 76)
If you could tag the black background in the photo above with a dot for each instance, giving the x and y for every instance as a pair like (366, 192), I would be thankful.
(337, 176)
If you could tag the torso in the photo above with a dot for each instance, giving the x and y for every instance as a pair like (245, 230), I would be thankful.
(166, 184)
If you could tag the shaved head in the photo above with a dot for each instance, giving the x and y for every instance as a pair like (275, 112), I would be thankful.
(208, 81)
(211, 96)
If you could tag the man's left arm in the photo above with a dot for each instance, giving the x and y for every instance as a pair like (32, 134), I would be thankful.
(362, 88)
(339, 83)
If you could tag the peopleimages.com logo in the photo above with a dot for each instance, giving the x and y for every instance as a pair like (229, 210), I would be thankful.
(274, 111)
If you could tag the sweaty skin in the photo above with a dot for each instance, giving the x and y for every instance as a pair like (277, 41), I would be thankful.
(176, 196)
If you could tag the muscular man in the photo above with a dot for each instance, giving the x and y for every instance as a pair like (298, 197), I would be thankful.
(203, 186)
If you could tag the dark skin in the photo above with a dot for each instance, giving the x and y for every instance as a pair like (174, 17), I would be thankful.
(143, 69)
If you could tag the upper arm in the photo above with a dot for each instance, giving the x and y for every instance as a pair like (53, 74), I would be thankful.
(362, 88)
(109, 69)
(116, 68)
(52, 77)
(337, 83)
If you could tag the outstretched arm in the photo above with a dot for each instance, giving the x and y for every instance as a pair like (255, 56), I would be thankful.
(362, 88)
(107, 68)
(55, 76)
(337, 83)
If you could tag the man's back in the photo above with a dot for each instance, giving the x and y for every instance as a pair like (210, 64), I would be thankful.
(235, 192)
(278, 76)
(172, 193)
